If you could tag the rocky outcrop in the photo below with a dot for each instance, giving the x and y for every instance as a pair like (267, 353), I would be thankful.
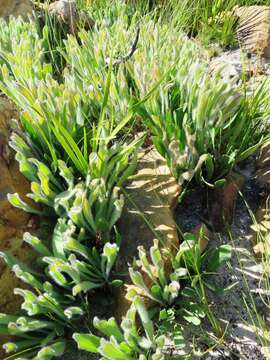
(151, 197)
(253, 30)
(13, 222)
(15, 7)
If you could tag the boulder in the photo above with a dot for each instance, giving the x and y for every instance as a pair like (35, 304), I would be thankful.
(15, 7)
(151, 197)
(66, 12)
(236, 65)
(253, 31)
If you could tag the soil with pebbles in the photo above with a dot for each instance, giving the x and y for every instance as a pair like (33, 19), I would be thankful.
(241, 339)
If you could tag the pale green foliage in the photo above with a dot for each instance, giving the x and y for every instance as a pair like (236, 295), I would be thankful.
(179, 279)
(178, 287)
(95, 203)
(164, 289)
(203, 124)
(127, 341)
(71, 145)
(21, 50)
(70, 256)
(158, 56)
(76, 168)
(66, 148)
(57, 300)
(197, 119)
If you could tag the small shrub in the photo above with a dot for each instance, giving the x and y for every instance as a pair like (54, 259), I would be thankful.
(126, 342)
(178, 280)
(69, 272)
(179, 294)
(204, 125)
(95, 203)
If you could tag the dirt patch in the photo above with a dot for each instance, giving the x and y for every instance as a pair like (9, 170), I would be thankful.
(237, 309)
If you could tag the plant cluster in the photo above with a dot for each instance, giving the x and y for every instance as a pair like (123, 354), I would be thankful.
(76, 166)
(68, 270)
(200, 122)
(204, 125)
(178, 290)
(76, 146)
(126, 341)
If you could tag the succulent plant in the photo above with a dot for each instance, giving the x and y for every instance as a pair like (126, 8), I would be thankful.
(126, 341)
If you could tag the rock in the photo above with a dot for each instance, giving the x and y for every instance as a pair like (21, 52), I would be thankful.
(222, 202)
(15, 7)
(266, 352)
(263, 166)
(151, 197)
(66, 12)
(253, 30)
(229, 64)
(260, 230)
(237, 65)
(13, 222)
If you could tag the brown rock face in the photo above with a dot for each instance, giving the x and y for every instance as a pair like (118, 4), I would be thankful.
(15, 7)
(254, 29)
(263, 166)
(222, 202)
(13, 222)
(150, 198)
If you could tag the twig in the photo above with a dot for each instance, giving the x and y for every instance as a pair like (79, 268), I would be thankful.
(132, 51)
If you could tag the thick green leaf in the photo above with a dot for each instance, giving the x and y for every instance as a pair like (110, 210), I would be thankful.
(87, 342)
(218, 256)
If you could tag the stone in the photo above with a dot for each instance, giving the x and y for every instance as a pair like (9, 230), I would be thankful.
(222, 202)
(13, 222)
(15, 7)
(253, 31)
(66, 12)
(260, 231)
(151, 197)
(239, 67)
(266, 352)
(263, 166)
(229, 65)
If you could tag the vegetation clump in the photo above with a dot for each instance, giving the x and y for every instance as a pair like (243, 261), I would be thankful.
(77, 144)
